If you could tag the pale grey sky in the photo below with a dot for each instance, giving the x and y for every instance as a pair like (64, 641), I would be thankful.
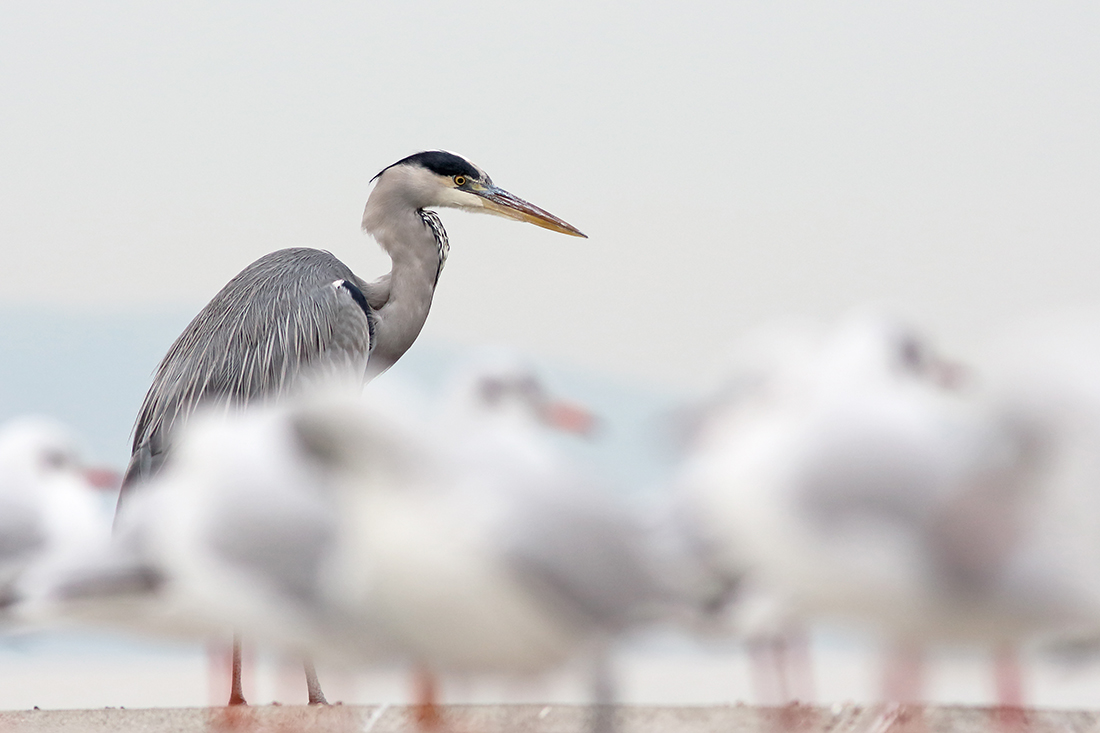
(730, 161)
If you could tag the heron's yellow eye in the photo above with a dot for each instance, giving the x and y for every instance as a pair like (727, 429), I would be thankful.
(460, 180)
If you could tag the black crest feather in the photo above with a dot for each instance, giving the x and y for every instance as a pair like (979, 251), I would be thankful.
(440, 162)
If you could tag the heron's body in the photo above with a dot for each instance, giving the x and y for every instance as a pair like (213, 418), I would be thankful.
(287, 314)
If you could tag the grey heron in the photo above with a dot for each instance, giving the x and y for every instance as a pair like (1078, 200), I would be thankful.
(298, 311)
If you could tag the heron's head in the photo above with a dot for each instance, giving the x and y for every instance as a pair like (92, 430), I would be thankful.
(440, 178)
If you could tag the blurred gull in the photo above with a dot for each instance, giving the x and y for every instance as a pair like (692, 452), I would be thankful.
(499, 397)
(346, 529)
(848, 472)
(1044, 377)
(49, 508)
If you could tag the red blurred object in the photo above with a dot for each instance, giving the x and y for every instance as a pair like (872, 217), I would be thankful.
(103, 478)
(569, 418)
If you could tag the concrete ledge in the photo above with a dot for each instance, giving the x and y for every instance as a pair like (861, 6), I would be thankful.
(554, 719)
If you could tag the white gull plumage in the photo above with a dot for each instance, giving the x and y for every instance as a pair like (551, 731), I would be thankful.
(846, 472)
(50, 511)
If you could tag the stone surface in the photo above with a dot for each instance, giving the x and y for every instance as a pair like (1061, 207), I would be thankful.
(553, 719)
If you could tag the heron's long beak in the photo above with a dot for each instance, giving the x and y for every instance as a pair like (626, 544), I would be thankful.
(499, 201)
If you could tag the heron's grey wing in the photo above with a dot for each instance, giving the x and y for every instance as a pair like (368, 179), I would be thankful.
(584, 557)
(284, 317)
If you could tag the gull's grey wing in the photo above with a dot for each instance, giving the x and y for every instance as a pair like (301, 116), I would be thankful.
(21, 535)
(280, 539)
(112, 575)
(285, 316)
(21, 531)
(582, 556)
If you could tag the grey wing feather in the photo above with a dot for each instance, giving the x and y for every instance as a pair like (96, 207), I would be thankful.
(110, 577)
(585, 558)
(281, 319)
(279, 543)
(21, 535)
(21, 531)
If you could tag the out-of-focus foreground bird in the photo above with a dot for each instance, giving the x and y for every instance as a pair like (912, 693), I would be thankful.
(501, 391)
(350, 532)
(300, 314)
(851, 476)
(1043, 380)
(50, 512)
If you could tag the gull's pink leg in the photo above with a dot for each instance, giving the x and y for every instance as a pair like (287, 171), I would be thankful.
(217, 672)
(781, 668)
(797, 665)
(427, 696)
(766, 671)
(903, 689)
(903, 676)
(1008, 677)
(782, 679)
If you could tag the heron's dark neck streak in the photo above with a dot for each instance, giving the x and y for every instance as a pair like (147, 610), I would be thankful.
(435, 225)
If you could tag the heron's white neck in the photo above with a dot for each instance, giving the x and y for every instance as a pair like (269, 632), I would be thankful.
(402, 298)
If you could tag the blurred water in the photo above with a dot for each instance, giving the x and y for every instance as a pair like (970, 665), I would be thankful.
(92, 370)
(88, 370)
